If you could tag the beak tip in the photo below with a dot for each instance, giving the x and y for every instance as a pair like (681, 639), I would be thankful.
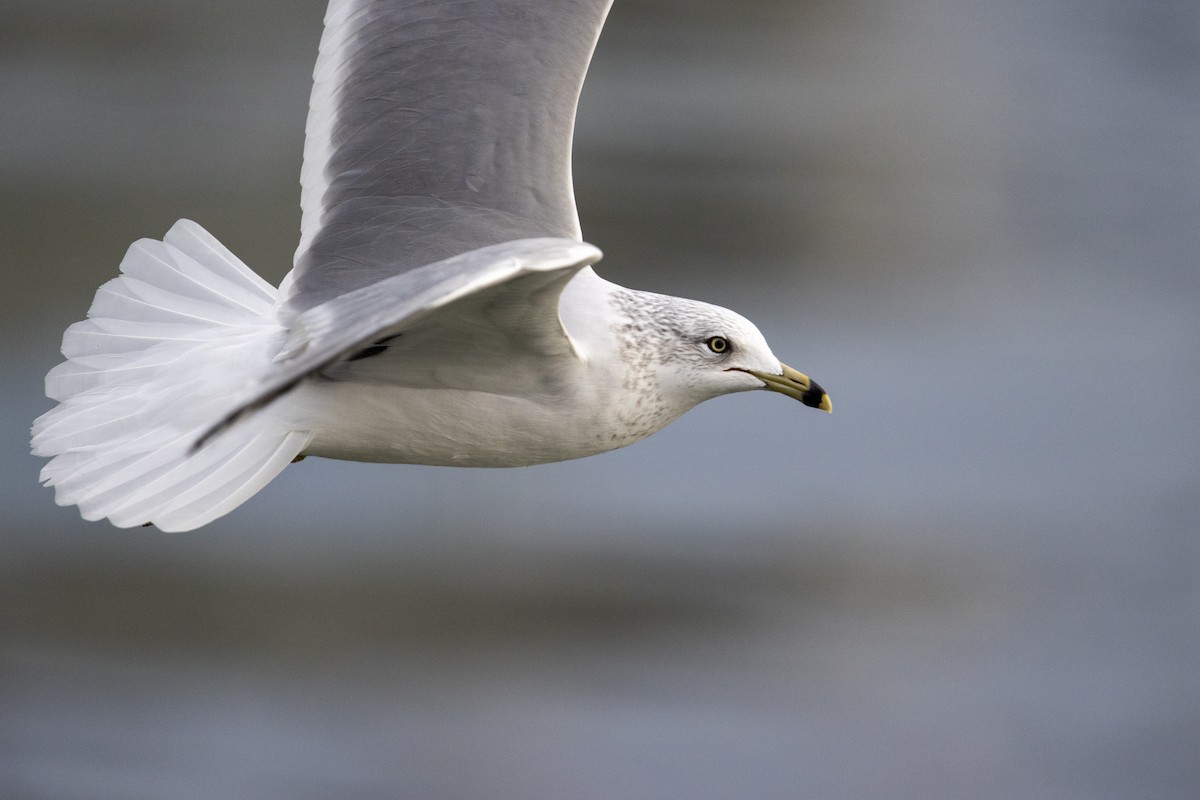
(797, 385)
(816, 397)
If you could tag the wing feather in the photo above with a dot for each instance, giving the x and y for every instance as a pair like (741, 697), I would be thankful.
(334, 331)
(437, 127)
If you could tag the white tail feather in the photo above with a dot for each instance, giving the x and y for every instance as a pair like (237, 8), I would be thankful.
(185, 327)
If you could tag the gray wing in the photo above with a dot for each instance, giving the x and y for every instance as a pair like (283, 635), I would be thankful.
(437, 127)
(526, 275)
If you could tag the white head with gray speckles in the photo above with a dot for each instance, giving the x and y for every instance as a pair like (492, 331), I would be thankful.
(683, 352)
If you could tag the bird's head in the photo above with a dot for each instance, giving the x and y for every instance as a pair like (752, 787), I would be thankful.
(704, 351)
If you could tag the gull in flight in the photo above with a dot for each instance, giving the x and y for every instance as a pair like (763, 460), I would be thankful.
(442, 307)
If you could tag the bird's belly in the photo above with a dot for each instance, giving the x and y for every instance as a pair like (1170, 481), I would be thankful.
(449, 427)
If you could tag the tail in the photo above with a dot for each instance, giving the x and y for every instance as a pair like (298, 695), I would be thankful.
(186, 326)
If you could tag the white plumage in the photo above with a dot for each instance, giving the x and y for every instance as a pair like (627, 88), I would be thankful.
(441, 310)
(186, 326)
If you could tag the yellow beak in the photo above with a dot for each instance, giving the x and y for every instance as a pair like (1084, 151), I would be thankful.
(797, 385)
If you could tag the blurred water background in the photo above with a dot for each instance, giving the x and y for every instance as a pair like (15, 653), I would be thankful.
(975, 223)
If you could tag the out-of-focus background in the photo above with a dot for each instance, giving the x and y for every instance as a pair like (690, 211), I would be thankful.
(976, 223)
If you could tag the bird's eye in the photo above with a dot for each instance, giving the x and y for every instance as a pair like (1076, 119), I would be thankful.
(718, 344)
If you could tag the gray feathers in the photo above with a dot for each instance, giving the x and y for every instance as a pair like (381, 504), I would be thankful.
(437, 128)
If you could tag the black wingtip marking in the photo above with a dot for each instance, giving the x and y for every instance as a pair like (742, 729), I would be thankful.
(374, 349)
(229, 421)
(367, 352)
(249, 408)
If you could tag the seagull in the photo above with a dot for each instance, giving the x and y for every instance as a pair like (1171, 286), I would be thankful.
(442, 308)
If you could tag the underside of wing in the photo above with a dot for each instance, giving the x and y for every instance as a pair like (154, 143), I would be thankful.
(437, 127)
(348, 328)
(506, 339)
